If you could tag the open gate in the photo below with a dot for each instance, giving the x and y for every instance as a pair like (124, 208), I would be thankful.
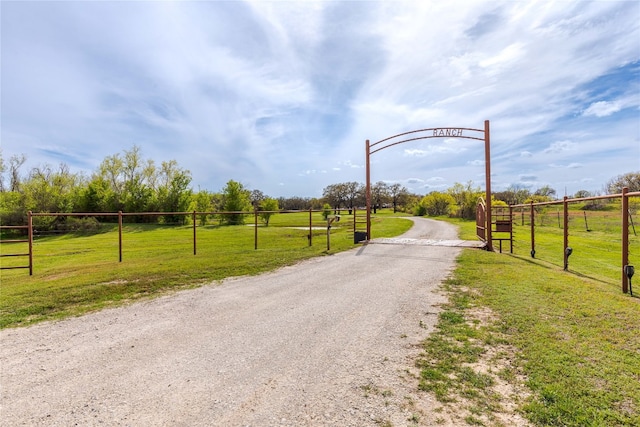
(481, 220)
(443, 132)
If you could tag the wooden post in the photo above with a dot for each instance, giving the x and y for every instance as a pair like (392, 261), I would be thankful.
(625, 238)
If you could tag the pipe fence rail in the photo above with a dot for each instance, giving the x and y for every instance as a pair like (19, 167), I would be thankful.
(28, 240)
(535, 212)
(310, 225)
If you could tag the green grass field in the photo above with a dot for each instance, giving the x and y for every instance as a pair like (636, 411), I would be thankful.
(74, 274)
(572, 337)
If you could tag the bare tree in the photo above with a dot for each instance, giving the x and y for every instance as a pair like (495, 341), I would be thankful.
(630, 180)
(15, 162)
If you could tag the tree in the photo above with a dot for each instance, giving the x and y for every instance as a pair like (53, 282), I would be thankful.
(202, 203)
(267, 208)
(49, 190)
(398, 194)
(3, 169)
(295, 203)
(515, 194)
(15, 162)
(174, 193)
(631, 180)
(437, 203)
(326, 211)
(353, 192)
(546, 192)
(379, 195)
(335, 195)
(466, 198)
(256, 198)
(581, 194)
(235, 199)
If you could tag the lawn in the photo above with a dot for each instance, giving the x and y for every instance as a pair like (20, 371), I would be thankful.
(74, 274)
(571, 337)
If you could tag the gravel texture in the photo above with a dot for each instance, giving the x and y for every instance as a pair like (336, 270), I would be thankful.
(328, 342)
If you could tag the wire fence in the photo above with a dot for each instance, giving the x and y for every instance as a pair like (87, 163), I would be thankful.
(586, 235)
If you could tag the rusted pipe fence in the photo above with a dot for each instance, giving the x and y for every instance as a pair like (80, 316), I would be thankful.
(28, 241)
(193, 216)
(534, 211)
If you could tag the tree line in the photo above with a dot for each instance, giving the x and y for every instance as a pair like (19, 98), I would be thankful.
(130, 183)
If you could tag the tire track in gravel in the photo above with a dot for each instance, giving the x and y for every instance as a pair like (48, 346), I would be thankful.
(328, 342)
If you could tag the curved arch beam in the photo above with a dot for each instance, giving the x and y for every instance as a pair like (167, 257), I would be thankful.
(442, 132)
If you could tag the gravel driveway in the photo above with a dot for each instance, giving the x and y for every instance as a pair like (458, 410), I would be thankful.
(327, 342)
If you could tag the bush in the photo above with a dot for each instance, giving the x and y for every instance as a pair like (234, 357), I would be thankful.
(436, 203)
(420, 210)
(326, 211)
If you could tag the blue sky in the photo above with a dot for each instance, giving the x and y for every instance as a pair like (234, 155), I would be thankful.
(281, 96)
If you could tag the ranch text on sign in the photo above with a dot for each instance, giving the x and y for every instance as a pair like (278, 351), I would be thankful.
(447, 132)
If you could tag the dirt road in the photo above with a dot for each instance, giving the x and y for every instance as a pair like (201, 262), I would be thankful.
(327, 342)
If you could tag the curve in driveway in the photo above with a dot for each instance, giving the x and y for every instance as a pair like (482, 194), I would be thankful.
(330, 341)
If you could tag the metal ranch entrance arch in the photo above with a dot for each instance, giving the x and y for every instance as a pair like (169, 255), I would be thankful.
(442, 132)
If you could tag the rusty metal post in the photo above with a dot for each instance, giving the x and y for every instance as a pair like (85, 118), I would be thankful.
(533, 231)
(30, 234)
(194, 232)
(625, 238)
(328, 235)
(255, 227)
(511, 229)
(368, 189)
(565, 206)
(310, 225)
(119, 236)
(487, 165)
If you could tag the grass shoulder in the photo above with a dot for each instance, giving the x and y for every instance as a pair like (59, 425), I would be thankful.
(526, 340)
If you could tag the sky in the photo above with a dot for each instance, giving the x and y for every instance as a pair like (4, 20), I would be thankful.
(282, 95)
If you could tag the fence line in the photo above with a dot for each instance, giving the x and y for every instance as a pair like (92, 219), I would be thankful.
(121, 215)
(29, 240)
(567, 250)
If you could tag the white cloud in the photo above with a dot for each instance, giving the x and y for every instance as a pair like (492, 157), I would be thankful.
(560, 146)
(434, 149)
(602, 109)
(264, 90)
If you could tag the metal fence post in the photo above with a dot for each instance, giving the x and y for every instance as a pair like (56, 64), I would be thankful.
(30, 233)
(310, 226)
(255, 223)
(533, 231)
(194, 232)
(120, 235)
(565, 205)
(625, 238)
